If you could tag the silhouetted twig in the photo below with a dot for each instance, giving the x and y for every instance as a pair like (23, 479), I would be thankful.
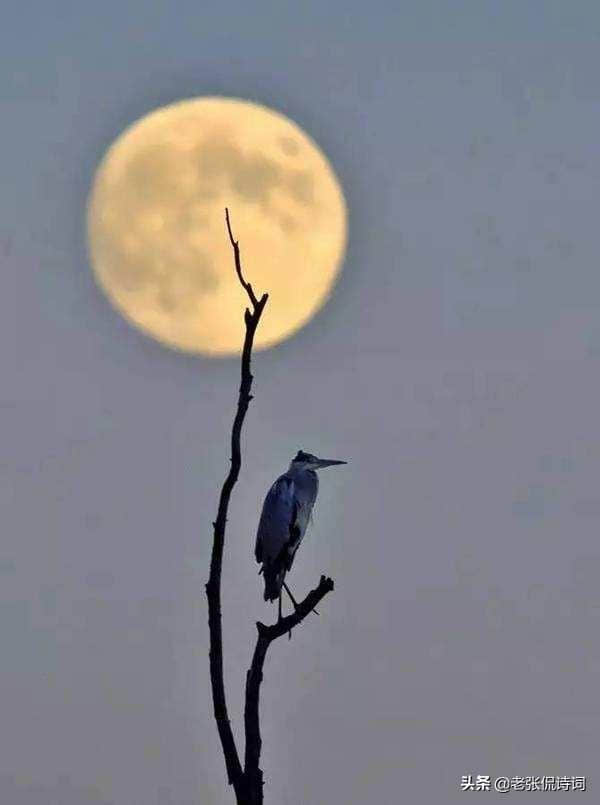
(266, 635)
(213, 587)
(247, 782)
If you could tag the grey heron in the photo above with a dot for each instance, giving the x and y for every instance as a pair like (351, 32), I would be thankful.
(285, 516)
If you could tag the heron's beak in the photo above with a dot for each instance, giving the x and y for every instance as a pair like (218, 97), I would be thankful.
(329, 462)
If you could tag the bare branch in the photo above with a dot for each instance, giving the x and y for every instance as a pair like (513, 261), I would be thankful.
(266, 635)
(248, 781)
(213, 587)
(285, 625)
(238, 265)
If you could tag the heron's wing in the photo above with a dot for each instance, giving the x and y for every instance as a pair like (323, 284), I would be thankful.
(295, 538)
(278, 515)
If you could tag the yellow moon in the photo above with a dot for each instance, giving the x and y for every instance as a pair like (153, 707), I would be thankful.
(157, 237)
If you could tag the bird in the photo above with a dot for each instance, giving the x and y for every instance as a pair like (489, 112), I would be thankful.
(285, 516)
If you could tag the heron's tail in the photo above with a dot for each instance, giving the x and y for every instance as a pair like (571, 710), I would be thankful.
(273, 576)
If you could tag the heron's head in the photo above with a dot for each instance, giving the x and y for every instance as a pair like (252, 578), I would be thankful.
(306, 461)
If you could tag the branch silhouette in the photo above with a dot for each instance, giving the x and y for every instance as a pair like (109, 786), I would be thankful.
(247, 782)
(254, 677)
(213, 588)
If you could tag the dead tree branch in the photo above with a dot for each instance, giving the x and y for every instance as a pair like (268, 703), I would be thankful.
(213, 587)
(247, 781)
(266, 635)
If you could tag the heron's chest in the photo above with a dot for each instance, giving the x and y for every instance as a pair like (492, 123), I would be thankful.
(306, 487)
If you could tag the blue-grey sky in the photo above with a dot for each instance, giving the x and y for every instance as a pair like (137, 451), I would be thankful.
(456, 368)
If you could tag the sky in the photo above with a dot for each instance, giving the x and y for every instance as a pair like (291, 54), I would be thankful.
(455, 368)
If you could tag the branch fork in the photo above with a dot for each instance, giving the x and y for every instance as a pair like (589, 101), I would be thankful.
(247, 781)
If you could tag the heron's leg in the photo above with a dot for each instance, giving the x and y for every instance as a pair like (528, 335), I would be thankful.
(289, 592)
(294, 602)
(280, 595)
(279, 618)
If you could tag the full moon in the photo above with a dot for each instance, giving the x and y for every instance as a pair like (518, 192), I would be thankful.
(157, 236)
